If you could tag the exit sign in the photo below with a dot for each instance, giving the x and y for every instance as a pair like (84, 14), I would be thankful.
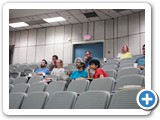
(87, 37)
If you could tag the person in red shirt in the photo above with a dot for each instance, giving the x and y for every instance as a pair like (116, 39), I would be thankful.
(95, 65)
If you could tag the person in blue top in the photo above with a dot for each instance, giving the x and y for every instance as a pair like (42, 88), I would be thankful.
(141, 60)
(80, 73)
(43, 70)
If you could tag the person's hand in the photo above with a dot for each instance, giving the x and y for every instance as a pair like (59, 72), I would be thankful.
(69, 72)
(85, 58)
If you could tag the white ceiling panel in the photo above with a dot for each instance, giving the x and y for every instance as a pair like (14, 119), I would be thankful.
(53, 15)
(43, 16)
(46, 25)
(102, 15)
(82, 18)
(36, 26)
(64, 22)
(28, 27)
(86, 10)
(32, 18)
(64, 13)
(74, 12)
(126, 12)
(94, 19)
(71, 19)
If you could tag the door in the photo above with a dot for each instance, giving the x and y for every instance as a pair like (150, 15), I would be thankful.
(95, 48)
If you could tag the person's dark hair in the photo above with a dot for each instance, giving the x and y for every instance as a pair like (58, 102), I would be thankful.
(95, 61)
(88, 52)
(44, 61)
(143, 46)
(55, 57)
(83, 64)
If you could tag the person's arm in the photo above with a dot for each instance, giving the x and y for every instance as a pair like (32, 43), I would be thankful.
(101, 76)
(141, 67)
(89, 73)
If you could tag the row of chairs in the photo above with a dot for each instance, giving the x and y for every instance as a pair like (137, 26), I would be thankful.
(123, 99)
(79, 86)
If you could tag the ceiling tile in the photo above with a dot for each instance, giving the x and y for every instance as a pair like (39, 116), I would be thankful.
(32, 18)
(137, 10)
(114, 15)
(102, 15)
(46, 25)
(43, 16)
(20, 28)
(86, 10)
(28, 27)
(12, 29)
(24, 19)
(71, 19)
(74, 12)
(36, 26)
(14, 20)
(94, 19)
(64, 22)
(64, 13)
(53, 15)
(126, 12)
(54, 24)
(81, 18)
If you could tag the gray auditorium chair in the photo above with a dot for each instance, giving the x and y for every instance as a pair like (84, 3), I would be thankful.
(16, 99)
(55, 86)
(54, 77)
(19, 80)
(22, 87)
(109, 67)
(14, 74)
(78, 86)
(103, 84)
(111, 73)
(126, 65)
(34, 79)
(127, 61)
(130, 80)
(143, 72)
(28, 71)
(34, 66)
(11, 80)
(35, 100)
(124, 99)
(37, 86)
(61, 100)
(10, 87)
(92, 100)
(112, 63)
(127, 71)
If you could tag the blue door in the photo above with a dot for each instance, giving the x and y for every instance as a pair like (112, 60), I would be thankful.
(95, 48)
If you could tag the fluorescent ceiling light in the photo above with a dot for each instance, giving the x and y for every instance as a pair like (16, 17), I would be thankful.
(18, 24)
(55, 19)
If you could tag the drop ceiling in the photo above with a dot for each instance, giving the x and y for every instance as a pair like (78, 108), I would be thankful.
(35, 16)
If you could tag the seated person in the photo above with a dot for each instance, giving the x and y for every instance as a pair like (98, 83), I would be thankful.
(80, 73)
(141, 60)
(43, 70)
(95, 65)
(53, 62)
(125, 53)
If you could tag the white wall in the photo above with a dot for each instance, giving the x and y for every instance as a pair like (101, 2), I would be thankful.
(34, 45)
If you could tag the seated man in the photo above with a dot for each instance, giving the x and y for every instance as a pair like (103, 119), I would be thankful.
(81, 73)
(43, 70)
(141, 60)
(95, 65)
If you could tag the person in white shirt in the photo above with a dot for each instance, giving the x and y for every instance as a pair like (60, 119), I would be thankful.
(57, 71)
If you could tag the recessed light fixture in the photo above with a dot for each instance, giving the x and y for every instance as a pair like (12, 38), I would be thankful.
(55, 19)
(18, 24)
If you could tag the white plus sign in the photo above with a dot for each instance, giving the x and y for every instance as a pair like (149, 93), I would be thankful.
(147, 99)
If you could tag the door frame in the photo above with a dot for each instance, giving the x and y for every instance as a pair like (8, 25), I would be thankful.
(88, 42)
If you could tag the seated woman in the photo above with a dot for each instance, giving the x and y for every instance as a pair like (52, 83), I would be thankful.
(125, 53)
(95, 65)
(57, 71)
